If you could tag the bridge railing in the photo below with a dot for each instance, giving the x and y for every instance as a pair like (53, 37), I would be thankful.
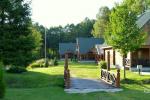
(110, 77)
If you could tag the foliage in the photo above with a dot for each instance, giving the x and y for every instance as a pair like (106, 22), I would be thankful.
(52, 54)
(41, 63)
(59, 34)
(36, 38)
(123, 33)
(16, 69)
(55, 61)
(2, 85)
(138, 6)
(103, 64)
(17, 38)
(101, 22)
(37, 64)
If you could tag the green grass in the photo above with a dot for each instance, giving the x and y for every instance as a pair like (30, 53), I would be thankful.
(47, 84)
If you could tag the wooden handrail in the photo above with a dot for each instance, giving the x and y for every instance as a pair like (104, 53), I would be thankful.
(110, 77)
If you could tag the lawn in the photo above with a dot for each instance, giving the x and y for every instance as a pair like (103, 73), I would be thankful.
(47, 84)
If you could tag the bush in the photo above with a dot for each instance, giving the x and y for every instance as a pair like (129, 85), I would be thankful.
(74, 59)
(16, 69)
(103, 65)
(55, 62)
(41, 63)
(2, 85)
(47, 63)
(37, 64)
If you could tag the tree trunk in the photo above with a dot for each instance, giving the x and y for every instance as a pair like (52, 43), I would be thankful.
(124, 66)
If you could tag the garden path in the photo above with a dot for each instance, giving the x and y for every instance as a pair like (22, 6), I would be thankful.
(80, 85)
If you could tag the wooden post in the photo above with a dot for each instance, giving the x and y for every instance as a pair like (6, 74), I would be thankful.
(66, 61)
(67, 80)
(149, 57)
(118, 78)
(104, 55)
(124, 67)
(108, 61)
(66, 73)
(114, 60)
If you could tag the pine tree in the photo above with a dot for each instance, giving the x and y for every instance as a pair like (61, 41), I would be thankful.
(16, 44)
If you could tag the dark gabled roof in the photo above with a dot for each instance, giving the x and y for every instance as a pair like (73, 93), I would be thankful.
(86, 44)
(67, 47)
(143, 19)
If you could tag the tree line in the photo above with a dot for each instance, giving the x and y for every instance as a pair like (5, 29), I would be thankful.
(66, 34)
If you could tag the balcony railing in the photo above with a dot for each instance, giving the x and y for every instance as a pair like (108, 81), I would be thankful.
(135, 62)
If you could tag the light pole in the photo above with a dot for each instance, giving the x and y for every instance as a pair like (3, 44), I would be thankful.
(45, 48)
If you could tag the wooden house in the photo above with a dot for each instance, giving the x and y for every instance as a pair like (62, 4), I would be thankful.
(140, 56)
(86, 48)
(67, 48)
(83, 49)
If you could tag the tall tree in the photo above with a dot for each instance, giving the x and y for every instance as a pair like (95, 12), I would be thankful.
(138, 6)
(101, 22)
(36, 42)
(16, 44)
(2, 85)
(123, 33)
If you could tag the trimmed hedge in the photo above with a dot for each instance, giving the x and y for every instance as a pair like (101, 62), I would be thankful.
(103, 65)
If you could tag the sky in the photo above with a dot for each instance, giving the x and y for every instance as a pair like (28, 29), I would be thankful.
(62, 12)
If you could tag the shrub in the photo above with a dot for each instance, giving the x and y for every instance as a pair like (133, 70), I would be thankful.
(41, 63)
(46, 64)
(16, 69)
(2, 85)
(103, 65)
(74, 59)
(55, 62)
(37, 64)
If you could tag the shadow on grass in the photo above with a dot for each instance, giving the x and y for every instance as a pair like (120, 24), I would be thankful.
(33, 80)
(133, 81)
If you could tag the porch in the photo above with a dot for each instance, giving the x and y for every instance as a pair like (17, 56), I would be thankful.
(139, 57)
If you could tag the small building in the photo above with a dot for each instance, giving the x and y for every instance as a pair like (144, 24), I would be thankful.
(140, 56)
(86, 47)
(83, 49)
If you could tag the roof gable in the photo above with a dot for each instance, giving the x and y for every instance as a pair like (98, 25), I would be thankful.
(64, 47)
(86, 44)
(143, 19)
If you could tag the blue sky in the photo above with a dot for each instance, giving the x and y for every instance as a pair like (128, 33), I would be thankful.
(61, 12)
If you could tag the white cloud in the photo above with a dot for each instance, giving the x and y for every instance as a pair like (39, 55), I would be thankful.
(61, 12)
